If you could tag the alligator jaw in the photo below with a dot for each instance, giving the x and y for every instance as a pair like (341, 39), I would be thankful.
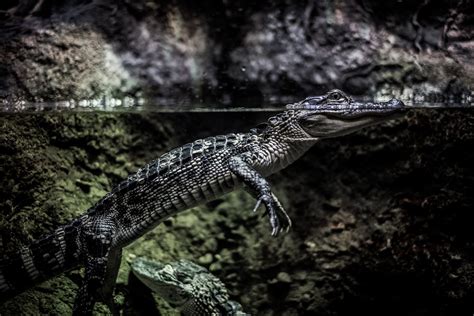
(355, 110)
(322, 117)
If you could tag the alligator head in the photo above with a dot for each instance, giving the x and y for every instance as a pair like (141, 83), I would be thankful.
(187, 286)
(336, 114)
(170, 281)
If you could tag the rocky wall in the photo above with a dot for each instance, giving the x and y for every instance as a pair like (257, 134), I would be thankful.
(233, 52)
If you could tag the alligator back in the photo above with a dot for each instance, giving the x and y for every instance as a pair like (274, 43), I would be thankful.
(168, 165)
(178, 180)
(40, 261)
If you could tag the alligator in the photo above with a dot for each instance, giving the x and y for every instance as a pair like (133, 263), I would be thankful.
(181, 179)
(187, 286)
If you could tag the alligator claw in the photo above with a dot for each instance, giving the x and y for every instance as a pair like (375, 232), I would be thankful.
(257, 205)
(279, 219)
(285, 217)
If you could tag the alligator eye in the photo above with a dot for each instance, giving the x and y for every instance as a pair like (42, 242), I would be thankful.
(335, 96)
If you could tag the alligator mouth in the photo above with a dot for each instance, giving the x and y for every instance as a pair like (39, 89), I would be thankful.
(357, 110)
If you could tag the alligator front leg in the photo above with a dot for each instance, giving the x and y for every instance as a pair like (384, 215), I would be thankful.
(100, 267)
(260, 189)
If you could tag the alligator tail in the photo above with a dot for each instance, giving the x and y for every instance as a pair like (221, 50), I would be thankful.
(40, 261)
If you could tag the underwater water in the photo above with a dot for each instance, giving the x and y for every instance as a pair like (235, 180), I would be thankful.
(377, 214)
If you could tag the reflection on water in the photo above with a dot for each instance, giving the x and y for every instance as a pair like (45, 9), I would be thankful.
(431, 100)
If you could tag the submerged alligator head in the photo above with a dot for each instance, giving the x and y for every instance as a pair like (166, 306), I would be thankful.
(187, 286)
(336, 114)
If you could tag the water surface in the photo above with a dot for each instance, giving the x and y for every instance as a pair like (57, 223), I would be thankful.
(162, 105)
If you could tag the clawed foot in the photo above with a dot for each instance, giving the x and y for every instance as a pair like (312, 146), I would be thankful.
(279, 219)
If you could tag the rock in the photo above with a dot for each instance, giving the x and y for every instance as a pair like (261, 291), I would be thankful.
(215, 267)
(205, 259)
(283, 277)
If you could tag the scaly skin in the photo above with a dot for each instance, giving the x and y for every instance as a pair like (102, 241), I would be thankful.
(187, 286)
(178, 180)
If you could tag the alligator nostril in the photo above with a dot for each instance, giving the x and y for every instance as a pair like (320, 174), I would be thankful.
(396, 103)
